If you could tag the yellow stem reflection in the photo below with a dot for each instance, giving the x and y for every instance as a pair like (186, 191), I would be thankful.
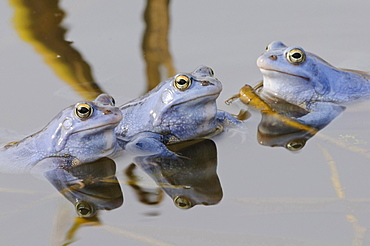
(155, 43)
(359, 231)
(38, 23)
(334, 173)
(135, 236)
(79, 222)
(344, 145)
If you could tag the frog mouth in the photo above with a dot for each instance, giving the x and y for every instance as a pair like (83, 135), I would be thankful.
(196, 98)
(290, 74)
(97, 127)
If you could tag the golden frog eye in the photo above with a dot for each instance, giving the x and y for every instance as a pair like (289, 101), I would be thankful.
(182, 82)
(211, 72)
(113, 102)
(83, 110)
(296, 144)
(296, 56)
(84, 209)
(182, 202)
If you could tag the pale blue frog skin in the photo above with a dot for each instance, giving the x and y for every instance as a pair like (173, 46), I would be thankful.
(304, 79)
(178, 109)
(299, 77)
(84, 131)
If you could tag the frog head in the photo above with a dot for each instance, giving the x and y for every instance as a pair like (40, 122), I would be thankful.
(85, 130)
(293, 74)
(187, 92)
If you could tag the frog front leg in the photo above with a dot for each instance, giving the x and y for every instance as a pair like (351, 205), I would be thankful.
(148, 143)
(321, 114)
(228, 120)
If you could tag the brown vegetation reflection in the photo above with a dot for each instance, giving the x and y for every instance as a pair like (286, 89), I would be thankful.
(39, 23)
(155, 43)
(145, 196)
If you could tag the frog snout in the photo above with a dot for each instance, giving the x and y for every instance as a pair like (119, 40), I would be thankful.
(265, 59)
(106, 112)
(262, 61)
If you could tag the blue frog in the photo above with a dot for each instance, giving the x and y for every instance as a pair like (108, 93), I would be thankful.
(304, 79)
(84, 132)
(301, 77)
(178, 109)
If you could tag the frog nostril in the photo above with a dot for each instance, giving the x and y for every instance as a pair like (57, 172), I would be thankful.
(273, 57)
(205, 83)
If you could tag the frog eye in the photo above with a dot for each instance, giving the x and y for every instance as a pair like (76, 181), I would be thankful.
(113, 102)
(211, 73)
(83, 110)
(296, 144)
(296, 56)
(84, 209)
(182, 202)
(182, 82)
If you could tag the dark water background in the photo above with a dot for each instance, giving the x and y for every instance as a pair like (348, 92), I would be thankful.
(318, 196)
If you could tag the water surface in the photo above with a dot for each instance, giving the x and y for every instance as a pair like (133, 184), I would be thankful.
(270, 196)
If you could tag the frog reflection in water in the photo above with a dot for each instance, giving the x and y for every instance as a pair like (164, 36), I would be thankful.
(189, 179)
(90, 187)
(84, 131)
(178, 109)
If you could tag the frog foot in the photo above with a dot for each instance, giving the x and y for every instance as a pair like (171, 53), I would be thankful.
(243, 115)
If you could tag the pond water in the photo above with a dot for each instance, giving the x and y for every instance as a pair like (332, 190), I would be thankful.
(256, 195)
